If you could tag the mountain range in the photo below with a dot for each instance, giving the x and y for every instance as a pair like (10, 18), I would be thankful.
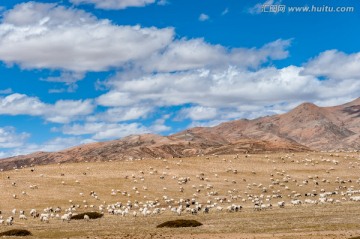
(306, 127)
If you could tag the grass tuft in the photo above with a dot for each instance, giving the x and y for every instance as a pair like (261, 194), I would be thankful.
(92, 215)
(16, 232)
(180, 223)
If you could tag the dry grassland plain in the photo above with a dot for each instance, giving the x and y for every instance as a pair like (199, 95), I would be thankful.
(236, 180)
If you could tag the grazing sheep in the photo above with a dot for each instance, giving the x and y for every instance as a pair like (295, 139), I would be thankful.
(66, 217)
(34, 213)
(44, 219)
(10, 221)
(296, 202)
(86, 217)
(43, 215)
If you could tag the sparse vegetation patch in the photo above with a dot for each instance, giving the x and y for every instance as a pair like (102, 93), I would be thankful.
(180, 223)
(92, 215)
(16, 232)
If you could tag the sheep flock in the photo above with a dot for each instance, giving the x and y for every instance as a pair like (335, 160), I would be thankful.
(306, 195)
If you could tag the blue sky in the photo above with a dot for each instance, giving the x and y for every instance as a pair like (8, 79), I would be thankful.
(79, 71)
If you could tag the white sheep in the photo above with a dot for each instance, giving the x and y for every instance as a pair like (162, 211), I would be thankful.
(44, 219)
(86, 217)
(10, 221)
(296, 202)
(66, 217)
(43, 215)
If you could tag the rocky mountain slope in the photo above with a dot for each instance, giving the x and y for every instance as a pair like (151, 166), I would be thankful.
(307, 127)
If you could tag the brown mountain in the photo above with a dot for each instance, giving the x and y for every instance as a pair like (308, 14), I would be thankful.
(307, 127)
(319, 128)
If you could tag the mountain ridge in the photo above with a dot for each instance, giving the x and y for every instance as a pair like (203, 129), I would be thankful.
(306, 127)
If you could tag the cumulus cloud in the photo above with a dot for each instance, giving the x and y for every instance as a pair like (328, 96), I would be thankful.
(116, 4)
(199, 113)
(115, 98)
(334, 64)
(215, 88)
(6, 91)
(84, 39)
(159, 126)
(119, 114)
(16, 104)
(10, 139)
(203, 17)
(184, 54)
(52, 145)
(62, 111)
(68, 78)
(232, 92)
(101, 130)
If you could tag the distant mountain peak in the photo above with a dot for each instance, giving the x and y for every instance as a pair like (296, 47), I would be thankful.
(307, 106)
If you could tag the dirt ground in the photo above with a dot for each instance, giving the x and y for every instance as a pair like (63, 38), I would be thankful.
(235, 179)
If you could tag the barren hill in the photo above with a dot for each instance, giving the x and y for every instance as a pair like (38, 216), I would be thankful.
(307, 127)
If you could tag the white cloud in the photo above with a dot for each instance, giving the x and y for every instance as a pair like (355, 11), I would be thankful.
(52, 145)
(84, 39)
(114, 98)
(6, 91)
(68, 78)
(62, 111)
(191, 54)
(10, 139)
(57, 144)
(334, 64)
(226, 11)
(119, 114)
(102, 131)
(163, 2)
(38, 26)
(16, 104)
(115, 4)
(159, 126)
(203, 17)
(199, 113)
(214, 88)
(258, 8)
(232, 92)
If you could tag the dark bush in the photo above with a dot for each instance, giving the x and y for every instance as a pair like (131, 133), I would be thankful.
(180, 223)
(16, 232)
(92, 215)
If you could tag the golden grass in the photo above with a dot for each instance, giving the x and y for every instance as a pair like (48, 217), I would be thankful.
(306, 221)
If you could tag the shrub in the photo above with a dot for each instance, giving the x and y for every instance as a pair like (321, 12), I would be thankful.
(180, 223)
(16, 232)
(92, 215)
